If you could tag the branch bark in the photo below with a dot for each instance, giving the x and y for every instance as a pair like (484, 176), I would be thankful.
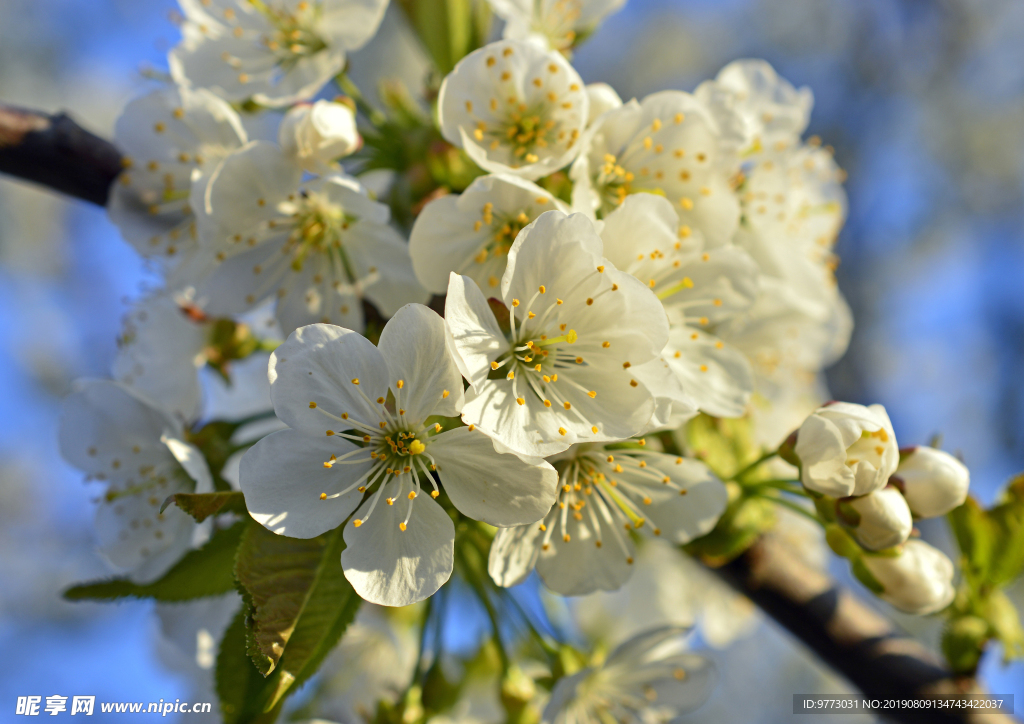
(56, 152)
(849, 636)
(852, 638)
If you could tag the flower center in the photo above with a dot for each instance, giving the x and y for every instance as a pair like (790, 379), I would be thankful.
(293, 36)
(318, 227)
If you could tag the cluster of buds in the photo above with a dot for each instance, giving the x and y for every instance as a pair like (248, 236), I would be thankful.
(870, 492)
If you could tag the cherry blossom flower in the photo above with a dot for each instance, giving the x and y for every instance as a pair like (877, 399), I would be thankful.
(319, 247)
(359, 439)
(702, 290)
(273, 51)
(584, 543)
(555, 24)
(116, 436)
(172, 139)
(563, 370)
(847, 449)
(514, 108)
(668, 144)
(651, 678)
(472, 233)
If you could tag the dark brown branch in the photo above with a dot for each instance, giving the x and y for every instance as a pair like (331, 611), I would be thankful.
(55, 151)
(849, 636)
(844, 633)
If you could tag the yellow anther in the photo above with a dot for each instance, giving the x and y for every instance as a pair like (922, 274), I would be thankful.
(562, 431)
(471, 428)
(579, 361)
(330, 432)
(626, 365)
(633, 383)
(382, 424)
(401, 527)
(401, 384)
(686, 203)
(590, 301)
(571, 337)
(592, 394)
(444, 395)
(511, 375)
(355, 380)
(515, 302)
(390, 501)
(357, 522)
(567, 406)
(601, 269)
(416, 447)
(312, 405)
(344, 416)
(323, 496)
(380, 400)
(541, 289)
(434, 494)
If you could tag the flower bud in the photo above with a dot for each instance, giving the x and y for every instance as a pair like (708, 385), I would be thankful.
(879, 520)
(933, 482)
(919, 580)
(846, 449)
(319, 133)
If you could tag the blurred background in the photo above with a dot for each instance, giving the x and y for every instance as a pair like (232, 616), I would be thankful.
(923, 101)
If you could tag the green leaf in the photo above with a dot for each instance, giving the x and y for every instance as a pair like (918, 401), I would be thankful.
(301, 603)
(206, 571)
(202, 505)
(241, 689)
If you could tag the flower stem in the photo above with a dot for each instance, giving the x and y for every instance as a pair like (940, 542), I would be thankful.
(796, 508)
(763, 459)
(350, 89)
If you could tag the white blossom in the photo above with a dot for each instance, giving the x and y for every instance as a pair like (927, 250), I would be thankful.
(847, 449)
(702, 290)
(933, 481)
(555, 24)
(172, 138)
(160, 351)
(273, 51)
(317, 134)
(358, 425)
(514, 108)
(116, 436)
(881, 519)
(668, 144)
(471, 233)
(761, 108)
(562, 372)
(319, 247)
(584, 543)
(919, 580)
(652, 678)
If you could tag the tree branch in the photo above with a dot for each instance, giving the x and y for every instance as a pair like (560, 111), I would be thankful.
(849, 636)
(55, 151)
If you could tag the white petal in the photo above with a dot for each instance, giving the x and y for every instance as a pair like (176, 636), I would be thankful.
(580, 566)
(283, 476)
(414, 347)
(475, 336)
(717, 376)
(682, 518)
(446, 237)
(514, 554)
(392, 567)
(498, 489)
(103, 422)
(192, 460)
(319, 363)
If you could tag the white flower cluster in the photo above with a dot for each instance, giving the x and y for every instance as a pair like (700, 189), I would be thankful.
(850, 461)
(671, 279)
(609, 270)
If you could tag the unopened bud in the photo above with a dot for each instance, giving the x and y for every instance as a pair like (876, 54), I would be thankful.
(933, 482)
(318, 134)
(879, 520)
(917, 580)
